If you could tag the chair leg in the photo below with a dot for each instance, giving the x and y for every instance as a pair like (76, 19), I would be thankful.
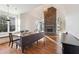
(44, 42)
(9, 43)
(12, 45)
(22, 48)
(37, 42)
(16, 46)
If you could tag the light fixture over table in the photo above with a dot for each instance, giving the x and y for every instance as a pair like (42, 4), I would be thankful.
(7, 17)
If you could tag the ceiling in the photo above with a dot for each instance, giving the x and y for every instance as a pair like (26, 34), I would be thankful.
(22, 8)
(71, 8)
(18, 8)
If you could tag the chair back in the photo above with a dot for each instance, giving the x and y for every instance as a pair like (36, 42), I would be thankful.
(21, 31)
(10, 37)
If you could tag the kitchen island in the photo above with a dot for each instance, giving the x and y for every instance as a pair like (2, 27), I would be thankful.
(70, 44)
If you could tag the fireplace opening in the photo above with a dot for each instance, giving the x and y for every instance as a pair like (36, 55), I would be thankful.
(49, 30)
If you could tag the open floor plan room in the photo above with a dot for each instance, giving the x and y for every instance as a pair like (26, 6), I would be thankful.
(39, 29)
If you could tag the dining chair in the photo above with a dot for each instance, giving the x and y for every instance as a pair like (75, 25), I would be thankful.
(12, 41)
(21, 31)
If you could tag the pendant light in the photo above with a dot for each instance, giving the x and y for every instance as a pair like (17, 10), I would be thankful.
(8, 18)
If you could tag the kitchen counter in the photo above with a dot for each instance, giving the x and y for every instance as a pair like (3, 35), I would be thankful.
(70, 44)
(70, 39)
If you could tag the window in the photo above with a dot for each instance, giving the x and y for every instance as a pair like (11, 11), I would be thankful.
(4, 25)
(12, 24)
(41, 26)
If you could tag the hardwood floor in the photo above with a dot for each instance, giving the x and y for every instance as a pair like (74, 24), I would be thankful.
(45, 46)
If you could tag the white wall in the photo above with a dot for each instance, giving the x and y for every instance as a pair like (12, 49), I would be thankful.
(72, 24)
(27, 22)
(29, 19)
(71, 12)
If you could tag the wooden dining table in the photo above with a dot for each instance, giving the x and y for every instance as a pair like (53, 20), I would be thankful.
(28, 38)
